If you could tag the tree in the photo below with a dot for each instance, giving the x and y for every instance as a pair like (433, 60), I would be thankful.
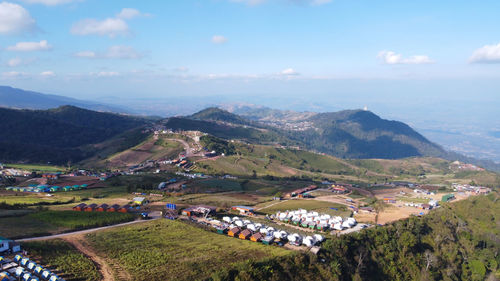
(430, 259)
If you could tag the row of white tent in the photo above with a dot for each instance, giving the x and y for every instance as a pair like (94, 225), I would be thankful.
(28, 270)
(302, 215)
(294, 238)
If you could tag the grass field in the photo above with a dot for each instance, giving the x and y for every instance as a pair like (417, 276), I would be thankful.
(80, 220)
(36, 168)
(173, 250)
(63, 257)
(53, 222)
(221, 199)
(33, 199)
(26, 226)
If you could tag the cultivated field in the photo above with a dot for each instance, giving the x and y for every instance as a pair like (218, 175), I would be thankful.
(62, 257)
(174, 250)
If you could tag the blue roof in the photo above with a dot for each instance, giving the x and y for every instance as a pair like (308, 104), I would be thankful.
(243, 207)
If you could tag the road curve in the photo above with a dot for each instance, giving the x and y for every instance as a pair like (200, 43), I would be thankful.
(62, 235)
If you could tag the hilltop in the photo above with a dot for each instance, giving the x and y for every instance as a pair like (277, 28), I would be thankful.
(62, 134)
(344, 134)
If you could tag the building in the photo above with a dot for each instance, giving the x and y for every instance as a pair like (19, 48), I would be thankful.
(9, 246)
(245, 234)
(113, 208)
(80, 207)
(124, 209)
(90, 208)
(102, 208)
(257, 237)
(389, 200)
(244, 210)
(233, 232)
(447, 197)
(199, 211)
(139, 201)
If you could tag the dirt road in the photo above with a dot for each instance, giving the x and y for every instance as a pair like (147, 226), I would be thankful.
(63, 235)
(79, 242)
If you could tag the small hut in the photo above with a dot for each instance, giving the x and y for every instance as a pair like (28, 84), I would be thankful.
(46, 274)
(268, 240)
(90, 208)
(124, 209)
(4, 276)
(80, 207)
(257, 237)
(17, 258)
(233, 232)
(102, 208)
(38, 269)
(245, 234)
(113, 208)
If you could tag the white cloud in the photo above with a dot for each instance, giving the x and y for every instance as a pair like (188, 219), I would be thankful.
(258, 2)
(30, 46)
(49, 2)
(113, 52)
(86, 54)
(486, 54)
(14, 19)
(130, 13)
(122, 52)
(390, 57)
(320, 2)
(249, 2)
(219, 39)
(111, 27)
(289, 72)
(107, 74)
(14, 62)
(181, 69)
(12, 74)
(47, 74)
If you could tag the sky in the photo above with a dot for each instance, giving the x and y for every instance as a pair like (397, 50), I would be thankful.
(124, 49)
(432, 64)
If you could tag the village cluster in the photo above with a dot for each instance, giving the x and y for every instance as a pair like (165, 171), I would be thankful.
(22, 268)
(314, 220)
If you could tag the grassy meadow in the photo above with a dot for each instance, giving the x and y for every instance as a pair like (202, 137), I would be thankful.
(174, 250)
(63, 257)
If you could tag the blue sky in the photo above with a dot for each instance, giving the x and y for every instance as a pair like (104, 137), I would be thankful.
(95, 48)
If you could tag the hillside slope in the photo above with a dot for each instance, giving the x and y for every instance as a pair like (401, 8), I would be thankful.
(57, 135)
(345, 134)
(456, 242)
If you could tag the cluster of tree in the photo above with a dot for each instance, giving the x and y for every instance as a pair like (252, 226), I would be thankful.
(457, 242)
(58, 135)
(212, 143)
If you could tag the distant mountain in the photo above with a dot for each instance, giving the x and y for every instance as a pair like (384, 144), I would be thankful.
(220, 115)
(21, 99)
(345, 134)
(59, 135)
(362, 134)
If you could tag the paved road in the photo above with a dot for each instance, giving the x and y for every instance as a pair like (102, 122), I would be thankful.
(62, 235)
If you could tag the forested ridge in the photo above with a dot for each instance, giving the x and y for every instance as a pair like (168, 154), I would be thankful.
(459, 241)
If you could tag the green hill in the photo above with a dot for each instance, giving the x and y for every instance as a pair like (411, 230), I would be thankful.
(362, 134)
(59, 135)
(344, 134)
(456, 242)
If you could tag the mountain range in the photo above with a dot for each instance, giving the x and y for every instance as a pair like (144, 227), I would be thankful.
(344, 134)
(21, 99)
